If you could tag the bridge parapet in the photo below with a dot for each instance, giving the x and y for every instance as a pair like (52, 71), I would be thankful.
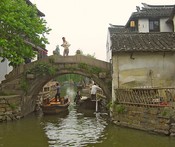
(56, 59)
(82, 59)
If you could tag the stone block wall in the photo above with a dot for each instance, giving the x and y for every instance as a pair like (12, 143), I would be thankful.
(10, 108)
(159, 120)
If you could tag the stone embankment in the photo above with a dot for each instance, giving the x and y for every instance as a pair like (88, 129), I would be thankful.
(159, 120)
(10, 108)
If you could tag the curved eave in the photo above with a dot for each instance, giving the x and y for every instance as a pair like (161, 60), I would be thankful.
(41, 14)
(36, 47)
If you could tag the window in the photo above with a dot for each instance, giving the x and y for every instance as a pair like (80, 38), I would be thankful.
(154, 26)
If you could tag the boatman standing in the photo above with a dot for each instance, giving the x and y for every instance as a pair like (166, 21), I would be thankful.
(94, 89)
(57, 95)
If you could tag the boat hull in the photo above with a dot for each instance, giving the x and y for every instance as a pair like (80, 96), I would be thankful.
(87, 104)
(55, 107)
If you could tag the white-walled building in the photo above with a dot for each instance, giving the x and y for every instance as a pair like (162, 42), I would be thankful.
(4, 69)
(142, 52)
(151, 18)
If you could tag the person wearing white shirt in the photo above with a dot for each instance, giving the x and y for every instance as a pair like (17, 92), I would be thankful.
(94, 89)
(65, 45)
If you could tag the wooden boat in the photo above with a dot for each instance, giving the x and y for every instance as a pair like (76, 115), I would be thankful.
(55, 107)
(86, 102)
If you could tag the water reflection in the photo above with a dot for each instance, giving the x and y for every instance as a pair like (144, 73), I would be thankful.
(76, 129)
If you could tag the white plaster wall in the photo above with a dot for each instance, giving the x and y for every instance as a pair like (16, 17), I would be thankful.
(144, 70)
(174, 22)
(115, 75)
(108, 50)
(34, 59)
(143, 25)
(163, 25)
(4, 69)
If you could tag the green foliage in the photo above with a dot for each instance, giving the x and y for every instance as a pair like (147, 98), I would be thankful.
(20, 23)
(115, 107)
(42, 69)
(13, 106)
(119, 108)
(109, 105)
(24, 85)
(67, 77)
(95, 70)
(83, 66)
(90, 69)
(166, 112)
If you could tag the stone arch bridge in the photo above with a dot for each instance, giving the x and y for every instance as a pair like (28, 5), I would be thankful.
(25, 82)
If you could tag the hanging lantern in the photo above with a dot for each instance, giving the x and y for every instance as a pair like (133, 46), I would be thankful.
(132, 23)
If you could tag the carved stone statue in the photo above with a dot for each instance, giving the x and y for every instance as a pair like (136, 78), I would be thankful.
(57, 50)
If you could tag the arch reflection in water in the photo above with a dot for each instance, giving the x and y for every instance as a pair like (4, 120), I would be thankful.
(75, 130)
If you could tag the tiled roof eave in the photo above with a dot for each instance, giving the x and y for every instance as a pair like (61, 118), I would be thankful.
(151, 16)
(152, 11)
(164, 41)
(39, 12)
(142, 50)
(35, 46)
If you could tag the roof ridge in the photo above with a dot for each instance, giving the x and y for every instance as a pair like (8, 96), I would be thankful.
(157, 6)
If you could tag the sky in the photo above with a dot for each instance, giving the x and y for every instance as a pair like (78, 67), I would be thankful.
(85, 23)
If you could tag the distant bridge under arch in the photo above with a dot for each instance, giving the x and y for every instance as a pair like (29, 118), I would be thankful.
(97, 70)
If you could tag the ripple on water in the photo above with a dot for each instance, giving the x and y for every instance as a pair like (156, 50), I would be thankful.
(75, 130)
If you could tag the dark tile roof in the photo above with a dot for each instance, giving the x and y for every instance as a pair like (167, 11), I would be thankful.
(117, 29)
(143, 42)
(155, 10)
(39, 12)
(171, 16)
(151, 11)
(37, 48)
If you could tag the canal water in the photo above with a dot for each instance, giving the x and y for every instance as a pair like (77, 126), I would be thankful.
(77, 129)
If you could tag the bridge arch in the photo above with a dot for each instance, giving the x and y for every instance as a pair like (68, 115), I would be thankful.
(97, 70)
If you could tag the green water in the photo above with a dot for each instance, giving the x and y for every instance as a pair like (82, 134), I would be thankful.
(77, 129)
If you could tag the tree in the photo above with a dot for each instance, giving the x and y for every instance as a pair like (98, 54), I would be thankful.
(20, 23)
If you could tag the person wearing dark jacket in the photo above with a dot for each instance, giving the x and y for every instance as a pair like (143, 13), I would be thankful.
(77, 97)
(57, 95)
